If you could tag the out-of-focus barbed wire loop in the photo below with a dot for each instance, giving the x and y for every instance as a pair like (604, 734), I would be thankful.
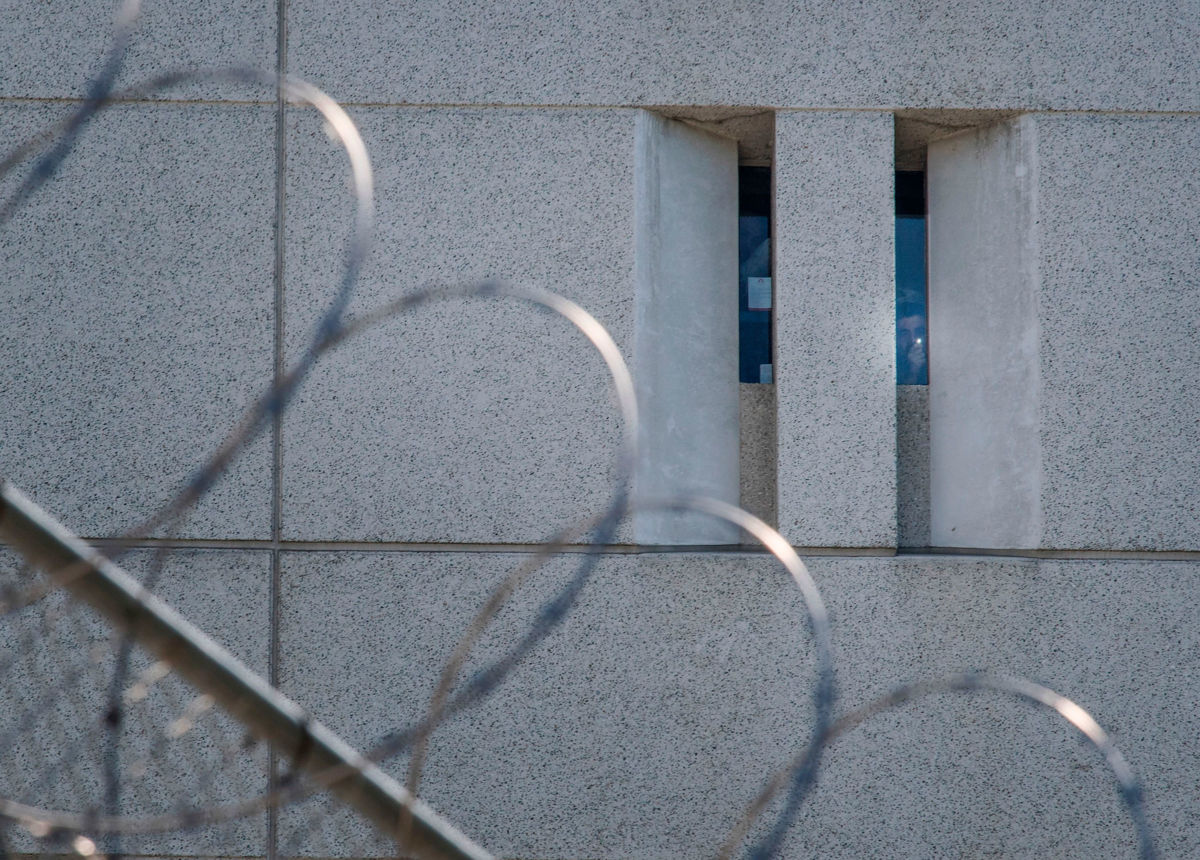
(224, 679)
(798, 778)
(329, 329)
(967, 682)
(769, 538)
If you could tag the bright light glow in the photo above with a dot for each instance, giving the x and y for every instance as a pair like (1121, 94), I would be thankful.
(1081, 719)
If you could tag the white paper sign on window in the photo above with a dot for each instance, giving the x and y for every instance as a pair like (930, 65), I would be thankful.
(758, 294)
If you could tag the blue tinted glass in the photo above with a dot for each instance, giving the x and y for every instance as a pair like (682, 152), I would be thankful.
(755, 293)
(911, 339)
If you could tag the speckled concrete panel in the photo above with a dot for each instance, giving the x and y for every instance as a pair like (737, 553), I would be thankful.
(52, 50)
(1119, 244)
(612, 53)
(617, 737)
(481, 420)
(952, 777)
(64, 651)
(696, 686)
(756, 461)
(912, 465)
(1135, 56)
(686, 372)
(136, 317)
(820, 53)
(835, 329)
(985, 464)
(227, 595)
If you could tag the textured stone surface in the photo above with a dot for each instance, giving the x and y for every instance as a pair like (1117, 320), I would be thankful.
(1062, 299)
(53, 50)
(136, 316)
(64, 652)
(227, 595)
(686, 372)
(481, 420)
(1119, 244)
(835, 329)
(757, 450)
(820, 53)
(594, 757)
(912, 465)
(1116, 636)
(696, 686)
(984, 394)
(1085, 56)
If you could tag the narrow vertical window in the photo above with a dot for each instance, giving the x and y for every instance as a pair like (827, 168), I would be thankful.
(755, 294)
(912, 346)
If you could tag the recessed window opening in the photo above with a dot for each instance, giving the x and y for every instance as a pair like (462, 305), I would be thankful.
(912, 339)
(755, 292)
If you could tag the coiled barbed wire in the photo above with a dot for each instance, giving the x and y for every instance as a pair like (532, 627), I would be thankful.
(799, 777)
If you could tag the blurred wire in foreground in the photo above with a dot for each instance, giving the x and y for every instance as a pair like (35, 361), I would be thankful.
(169, 747)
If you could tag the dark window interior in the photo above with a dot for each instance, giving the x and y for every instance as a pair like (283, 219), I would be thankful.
(912, 342)
(755, 291)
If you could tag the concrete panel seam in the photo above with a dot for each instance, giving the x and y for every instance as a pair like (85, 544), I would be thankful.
(1028, 141)
(751, 108)
(271, 849)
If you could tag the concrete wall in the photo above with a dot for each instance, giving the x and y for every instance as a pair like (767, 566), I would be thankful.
(912, 466)
(185, 252)
(484, 421)
(816, 53)
(686, 319)
(696, 687)
(137, 318)
(984, 428)
(1119, 246)
(834, 323)
(1063, 312)
(820, 53)
(57, 670)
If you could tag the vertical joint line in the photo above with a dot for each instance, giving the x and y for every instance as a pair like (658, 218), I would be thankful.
(272, 846)
(280, 224)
